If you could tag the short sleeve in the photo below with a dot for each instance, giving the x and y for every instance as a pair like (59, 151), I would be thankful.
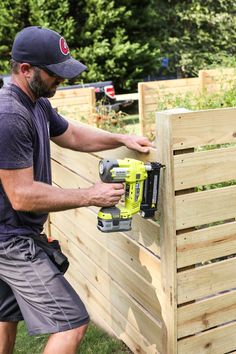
(58, 124)
(16, 142)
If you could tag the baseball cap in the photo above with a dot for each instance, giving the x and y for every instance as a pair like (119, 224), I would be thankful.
(46, 48)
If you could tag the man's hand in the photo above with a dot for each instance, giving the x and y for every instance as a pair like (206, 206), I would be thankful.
(137, 143)
(105, 194)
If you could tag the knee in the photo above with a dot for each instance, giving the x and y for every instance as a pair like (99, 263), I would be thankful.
(81, 331)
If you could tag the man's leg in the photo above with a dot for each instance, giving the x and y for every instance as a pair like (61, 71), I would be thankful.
(65, 342)
(46, 300)
(7, 337)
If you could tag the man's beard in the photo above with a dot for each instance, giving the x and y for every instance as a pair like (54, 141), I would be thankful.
(39, 87)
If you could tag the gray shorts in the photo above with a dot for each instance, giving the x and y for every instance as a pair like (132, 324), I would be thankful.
(32, 289)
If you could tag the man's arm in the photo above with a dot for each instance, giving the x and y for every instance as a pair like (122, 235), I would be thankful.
(88, 139)
(25, 194)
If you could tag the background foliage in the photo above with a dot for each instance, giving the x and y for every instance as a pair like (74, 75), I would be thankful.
(125, 40)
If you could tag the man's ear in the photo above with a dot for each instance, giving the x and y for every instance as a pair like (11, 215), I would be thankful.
(26, 69)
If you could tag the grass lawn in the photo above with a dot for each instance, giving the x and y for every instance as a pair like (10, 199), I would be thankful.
(95, 342)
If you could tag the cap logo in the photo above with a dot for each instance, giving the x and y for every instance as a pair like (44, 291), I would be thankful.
(63, 46)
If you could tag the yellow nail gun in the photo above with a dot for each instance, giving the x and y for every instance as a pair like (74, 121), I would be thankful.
(141, 192)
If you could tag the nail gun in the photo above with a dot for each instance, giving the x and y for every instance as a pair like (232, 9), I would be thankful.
(141, 192)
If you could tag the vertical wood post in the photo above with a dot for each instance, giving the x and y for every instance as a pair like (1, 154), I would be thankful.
(167, 234)
(202, 74)
(141, 107)
(92, 106)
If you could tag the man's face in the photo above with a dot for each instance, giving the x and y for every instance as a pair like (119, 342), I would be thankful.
(43, 84)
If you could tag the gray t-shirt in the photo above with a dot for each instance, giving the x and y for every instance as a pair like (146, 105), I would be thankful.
(25, 131)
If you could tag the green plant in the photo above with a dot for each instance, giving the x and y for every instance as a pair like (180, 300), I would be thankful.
(109, 120)
(204, 100)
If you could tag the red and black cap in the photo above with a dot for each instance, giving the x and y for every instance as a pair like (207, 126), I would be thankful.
(47, 49)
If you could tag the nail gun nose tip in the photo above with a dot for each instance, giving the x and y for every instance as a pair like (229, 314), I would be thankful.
(148, 167)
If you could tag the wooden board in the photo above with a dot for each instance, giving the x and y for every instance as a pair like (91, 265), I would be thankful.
(205, 167)
(190, 129)
(75, 92)
(205, 207)
(168, 236)
(205, 314)
(206, 280)
(206, 244)
(123, 152)
(222, 77)
(218, 341)
(169, 83)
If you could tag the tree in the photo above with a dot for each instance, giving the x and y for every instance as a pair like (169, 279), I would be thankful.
(106, 47)
(17, 14)
(52, 14)
(124, 40)
(198, 33)
(13, 17)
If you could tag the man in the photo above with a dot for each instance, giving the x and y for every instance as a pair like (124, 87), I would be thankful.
(31, 286)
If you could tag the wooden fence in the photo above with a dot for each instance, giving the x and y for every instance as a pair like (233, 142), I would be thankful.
(79, 104)
(150, 93)
(167, 287)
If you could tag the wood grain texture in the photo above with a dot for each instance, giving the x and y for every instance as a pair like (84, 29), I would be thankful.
(205, 167)
(206, 244)
(218, 341)
(202, 315)
(206, 280)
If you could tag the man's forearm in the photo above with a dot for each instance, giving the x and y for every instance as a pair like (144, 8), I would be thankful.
(41, 197)
(44, 198)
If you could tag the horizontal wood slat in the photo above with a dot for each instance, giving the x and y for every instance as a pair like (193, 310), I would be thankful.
(202, 315)
(76, 92)
(169, 83)
(205, 207)
(206, 167)
(206, 280)
(117, 297)
(123, 152)
(80, 106)
(210, 127)
(206, 244)
(218, 341)
(218, 75)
